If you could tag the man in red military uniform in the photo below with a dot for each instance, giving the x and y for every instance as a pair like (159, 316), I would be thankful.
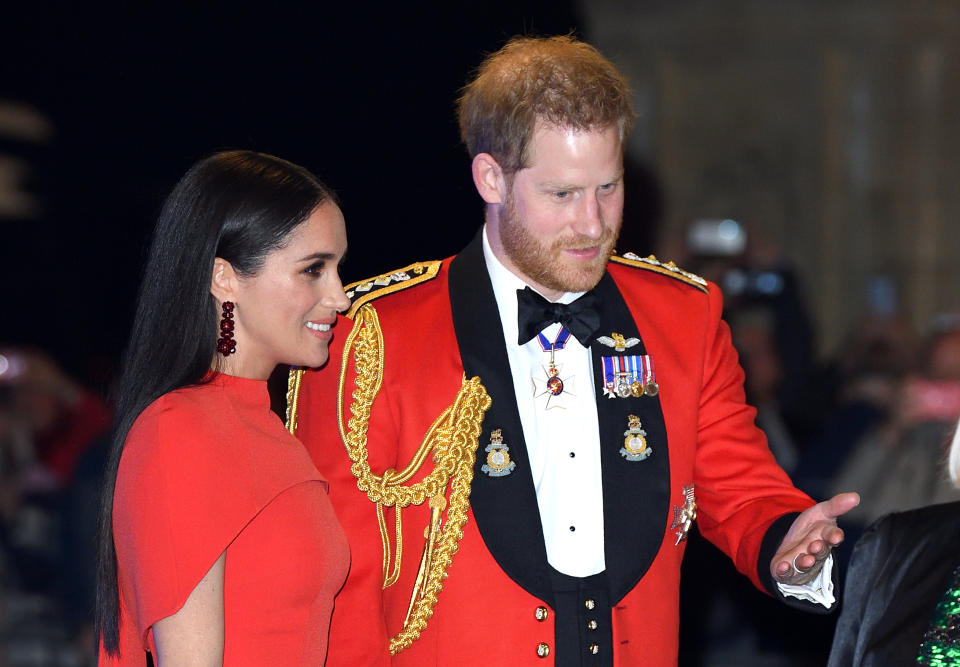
(615, 417)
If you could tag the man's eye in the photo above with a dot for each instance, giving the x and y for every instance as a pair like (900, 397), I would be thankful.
(561, 194)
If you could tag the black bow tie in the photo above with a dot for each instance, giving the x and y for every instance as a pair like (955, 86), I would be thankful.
(536, 313)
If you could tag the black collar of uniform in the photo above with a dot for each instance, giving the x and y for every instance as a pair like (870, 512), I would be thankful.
(505, 508)
(635, 494)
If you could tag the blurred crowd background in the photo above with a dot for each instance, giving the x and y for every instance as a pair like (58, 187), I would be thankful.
(803, 155)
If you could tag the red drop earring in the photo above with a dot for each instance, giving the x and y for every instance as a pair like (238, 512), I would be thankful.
(226, 344)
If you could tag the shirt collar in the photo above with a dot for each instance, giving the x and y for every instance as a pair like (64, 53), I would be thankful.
(505, 285)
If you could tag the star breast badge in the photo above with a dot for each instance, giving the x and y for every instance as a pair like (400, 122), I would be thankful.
(684, 515)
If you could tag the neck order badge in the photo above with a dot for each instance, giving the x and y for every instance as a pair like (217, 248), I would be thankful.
(553, 386)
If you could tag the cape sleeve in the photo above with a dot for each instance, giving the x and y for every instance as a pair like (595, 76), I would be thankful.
(190, 479)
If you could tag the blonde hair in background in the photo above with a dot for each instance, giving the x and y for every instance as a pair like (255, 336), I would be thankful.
(953, 459)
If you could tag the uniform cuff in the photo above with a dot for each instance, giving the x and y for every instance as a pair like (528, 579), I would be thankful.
(807, 599)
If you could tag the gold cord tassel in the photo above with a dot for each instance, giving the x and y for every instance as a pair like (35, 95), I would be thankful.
(452, 438)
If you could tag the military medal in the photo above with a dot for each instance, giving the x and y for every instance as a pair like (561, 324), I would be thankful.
(498, 456)
(684, 515)
(650, 386)
(635, 446)
(553, 386)
(628, 375)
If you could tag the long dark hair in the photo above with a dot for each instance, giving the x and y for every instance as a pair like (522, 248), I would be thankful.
(237, 205)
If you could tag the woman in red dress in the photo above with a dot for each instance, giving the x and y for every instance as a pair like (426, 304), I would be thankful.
(218, 541)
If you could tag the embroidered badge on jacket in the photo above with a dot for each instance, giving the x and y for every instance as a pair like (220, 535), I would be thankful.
(498, 456)
(635, 446)
(617, 341)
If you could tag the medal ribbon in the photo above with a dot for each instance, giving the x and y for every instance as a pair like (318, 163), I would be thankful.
(623, 368)
(561, 341)
(609, 373)
(646, 369)
(628, 367)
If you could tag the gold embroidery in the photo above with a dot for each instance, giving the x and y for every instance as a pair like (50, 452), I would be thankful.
(388, 283)
(452, 438)
(365, 291)
(651, 263)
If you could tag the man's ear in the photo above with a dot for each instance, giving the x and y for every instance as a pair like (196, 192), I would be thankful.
(223, 282)
(489, 179)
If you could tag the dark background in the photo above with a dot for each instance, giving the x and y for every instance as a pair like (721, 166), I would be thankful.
(361, 94)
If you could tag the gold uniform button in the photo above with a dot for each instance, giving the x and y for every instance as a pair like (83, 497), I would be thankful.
(542, 613)
(543, 650)
(594, 649)
(591, 625)
(589, 603)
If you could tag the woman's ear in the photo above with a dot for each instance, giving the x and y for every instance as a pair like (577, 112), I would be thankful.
(489, 179)
(223, 282)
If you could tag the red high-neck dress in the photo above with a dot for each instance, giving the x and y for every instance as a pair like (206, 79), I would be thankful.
(208, 469)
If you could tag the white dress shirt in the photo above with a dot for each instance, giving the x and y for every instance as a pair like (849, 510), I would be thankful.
(561, 432)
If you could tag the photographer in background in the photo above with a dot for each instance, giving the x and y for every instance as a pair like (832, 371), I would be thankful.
(898, 465)
(50, 466)
(61, 418)
(764, 304)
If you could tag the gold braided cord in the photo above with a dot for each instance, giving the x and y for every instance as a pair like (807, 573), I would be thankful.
(294, 377)
(452, 439)
(390, 577)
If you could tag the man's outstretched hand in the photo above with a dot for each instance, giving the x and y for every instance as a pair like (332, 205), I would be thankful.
(811, 537)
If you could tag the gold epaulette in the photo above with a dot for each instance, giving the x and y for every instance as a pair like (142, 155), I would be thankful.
(651, 263)
(359, 293)
(365, 291)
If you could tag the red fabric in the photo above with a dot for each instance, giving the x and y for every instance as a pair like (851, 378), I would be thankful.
(209, 469)
(483, 617)
(86, 420)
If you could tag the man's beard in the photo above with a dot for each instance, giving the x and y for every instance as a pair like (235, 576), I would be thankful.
(545, 264)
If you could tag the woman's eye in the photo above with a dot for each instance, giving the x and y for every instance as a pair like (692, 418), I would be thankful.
(314, 269)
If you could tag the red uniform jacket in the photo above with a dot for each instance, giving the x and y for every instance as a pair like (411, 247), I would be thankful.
(497, 605)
